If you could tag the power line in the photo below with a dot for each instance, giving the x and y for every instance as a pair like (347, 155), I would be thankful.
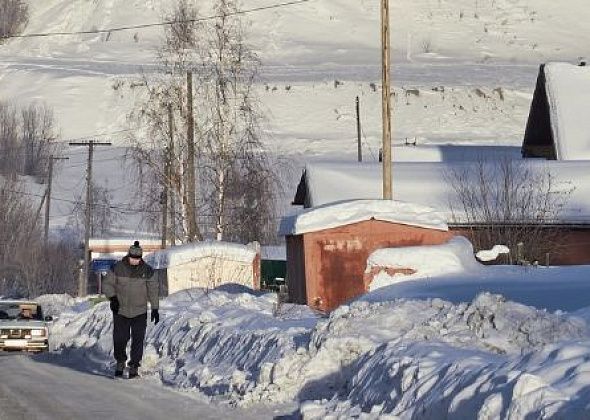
(148, 25)
(60, 141)
(119, 208)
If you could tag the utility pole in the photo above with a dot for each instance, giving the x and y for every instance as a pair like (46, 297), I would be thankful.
(193, 233)
(83, 281)
(386, 101)
(358, 130)
(34, 224)
(48, 194)
(171, 176)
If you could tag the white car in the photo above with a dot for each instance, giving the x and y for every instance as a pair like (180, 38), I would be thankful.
(23, 327)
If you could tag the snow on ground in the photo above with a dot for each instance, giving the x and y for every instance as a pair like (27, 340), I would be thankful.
(399, 356)
(553, 288)
(412, 349)
(55, 305)
(455, 256)
(492, 254)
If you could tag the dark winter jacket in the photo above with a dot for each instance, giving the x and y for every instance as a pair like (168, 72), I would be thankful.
(134, 287)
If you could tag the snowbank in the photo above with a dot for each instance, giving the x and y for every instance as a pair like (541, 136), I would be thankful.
(55, 304)
(345, 213)
(424, 380)
(220, 342)
(386, 357)
(456, 256)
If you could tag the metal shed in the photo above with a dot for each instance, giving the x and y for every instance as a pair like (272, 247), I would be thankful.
(326, 259)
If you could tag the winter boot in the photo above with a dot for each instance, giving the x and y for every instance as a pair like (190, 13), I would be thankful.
(119, 368)
(133, 371)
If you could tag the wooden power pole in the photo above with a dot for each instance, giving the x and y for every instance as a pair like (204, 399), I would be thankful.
(48, 194)
(83, 282)
(386, 101)
(358, 130)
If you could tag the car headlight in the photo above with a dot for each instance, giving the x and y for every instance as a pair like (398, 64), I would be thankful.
(37, 333)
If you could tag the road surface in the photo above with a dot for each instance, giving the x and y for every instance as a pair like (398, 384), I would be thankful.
(46, 388)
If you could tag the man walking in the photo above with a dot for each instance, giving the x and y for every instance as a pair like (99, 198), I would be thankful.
(129, 286)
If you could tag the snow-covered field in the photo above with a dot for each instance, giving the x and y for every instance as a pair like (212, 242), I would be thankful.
(463, 73)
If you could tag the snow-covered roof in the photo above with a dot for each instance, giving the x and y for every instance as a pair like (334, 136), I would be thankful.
(427, 184)
(451, 152)
(186, 253)
(568, 95)
(106, 242)
(345, 213)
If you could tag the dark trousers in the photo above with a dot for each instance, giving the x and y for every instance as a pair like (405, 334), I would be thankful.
(124, 328)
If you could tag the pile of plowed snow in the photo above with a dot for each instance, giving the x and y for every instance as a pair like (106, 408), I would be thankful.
(455, 256)
(386, 357)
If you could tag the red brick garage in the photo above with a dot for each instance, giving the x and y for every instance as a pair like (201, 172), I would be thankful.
(326, 262)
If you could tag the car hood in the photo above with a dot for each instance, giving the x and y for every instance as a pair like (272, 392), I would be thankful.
(14, 324)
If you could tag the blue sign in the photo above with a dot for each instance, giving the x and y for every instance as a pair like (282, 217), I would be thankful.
(100, 265)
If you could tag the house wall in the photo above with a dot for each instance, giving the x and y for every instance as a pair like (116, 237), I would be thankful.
(538, 137)
(574, 248)
(210, 272)
(334, 260)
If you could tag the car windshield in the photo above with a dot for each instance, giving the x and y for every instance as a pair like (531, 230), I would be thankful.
(20, 311)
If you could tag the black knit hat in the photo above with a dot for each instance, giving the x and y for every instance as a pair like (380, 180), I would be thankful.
(135, 250)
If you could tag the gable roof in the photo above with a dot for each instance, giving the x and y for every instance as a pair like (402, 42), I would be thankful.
(428, 184)
(558, 126)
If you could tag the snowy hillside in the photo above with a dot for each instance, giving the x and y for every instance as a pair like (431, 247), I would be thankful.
(463, 71)
(335, 31)
(482, 43)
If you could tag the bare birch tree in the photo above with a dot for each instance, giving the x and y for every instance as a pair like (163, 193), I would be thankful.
(38, 137)
(509, 202)
(11, 156)
(14, 16)
(233, 156)
(27, 268)
(27, 139)
(235, 181)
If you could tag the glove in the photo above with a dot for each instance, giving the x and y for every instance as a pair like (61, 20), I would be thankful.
(155, 318)
(114, 304)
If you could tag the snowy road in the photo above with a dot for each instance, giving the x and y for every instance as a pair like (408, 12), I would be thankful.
(35, 388)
